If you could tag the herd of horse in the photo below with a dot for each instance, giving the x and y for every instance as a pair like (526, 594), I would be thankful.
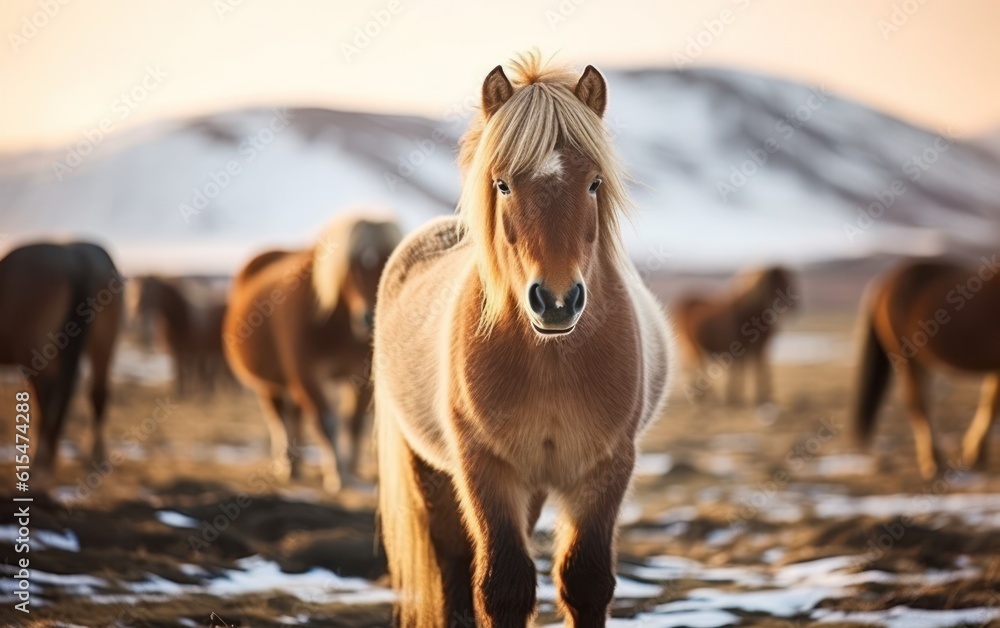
(511, 353)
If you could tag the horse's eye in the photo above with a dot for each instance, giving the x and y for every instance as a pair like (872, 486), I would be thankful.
(503, 187)
(596, 184)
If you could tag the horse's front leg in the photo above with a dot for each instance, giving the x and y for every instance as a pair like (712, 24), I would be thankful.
(584, 569)
(495, 506)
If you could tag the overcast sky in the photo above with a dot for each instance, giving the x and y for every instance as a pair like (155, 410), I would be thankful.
(933, 62)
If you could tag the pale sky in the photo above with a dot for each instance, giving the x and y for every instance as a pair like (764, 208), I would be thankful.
(939, 67)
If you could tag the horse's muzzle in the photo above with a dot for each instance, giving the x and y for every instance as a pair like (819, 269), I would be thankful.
(553, 315)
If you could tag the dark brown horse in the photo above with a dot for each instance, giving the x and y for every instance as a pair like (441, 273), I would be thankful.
(297, 318)
(732, 330)
(57, 303)
(928, 315)
(189, 326)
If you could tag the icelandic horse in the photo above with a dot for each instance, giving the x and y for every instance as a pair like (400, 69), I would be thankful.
(58, 303)
(926, 315)
(517, 354)
(738, 324)
(296, 318)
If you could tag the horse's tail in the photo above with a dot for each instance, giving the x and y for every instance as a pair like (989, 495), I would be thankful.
(79, 317)
(873, 376)
(405, 529)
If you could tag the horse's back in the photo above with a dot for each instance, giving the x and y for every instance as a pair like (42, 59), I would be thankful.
(418, 250)
(36, 294)
(913, 281)
(707, 325)
(254, 324)
(259, 263)
(421, 281)
(46, 286)
(99, 264)
(105, 286)
(940, 311)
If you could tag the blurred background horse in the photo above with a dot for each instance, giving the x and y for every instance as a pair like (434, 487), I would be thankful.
(185, 316)
(299, 317)
(924, 316)
(59, 302)
(735, 329)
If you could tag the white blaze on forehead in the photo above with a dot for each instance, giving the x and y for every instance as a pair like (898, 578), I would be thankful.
(551, 167)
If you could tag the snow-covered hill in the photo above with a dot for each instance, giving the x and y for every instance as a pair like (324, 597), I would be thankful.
(730, 167)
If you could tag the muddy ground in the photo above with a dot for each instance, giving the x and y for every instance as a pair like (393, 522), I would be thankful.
(749, 516)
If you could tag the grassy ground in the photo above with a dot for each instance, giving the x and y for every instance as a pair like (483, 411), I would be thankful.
(744, 488)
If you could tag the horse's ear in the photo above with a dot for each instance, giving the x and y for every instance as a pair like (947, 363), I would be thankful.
(496, 91)
(592, 90)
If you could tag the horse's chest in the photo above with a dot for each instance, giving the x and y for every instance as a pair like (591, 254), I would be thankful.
(552, 421)
(555, 446)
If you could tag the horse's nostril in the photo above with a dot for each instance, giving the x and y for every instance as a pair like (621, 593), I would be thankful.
(535, 299)
(577, 299)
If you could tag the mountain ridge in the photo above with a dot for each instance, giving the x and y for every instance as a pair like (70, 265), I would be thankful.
(734, 168)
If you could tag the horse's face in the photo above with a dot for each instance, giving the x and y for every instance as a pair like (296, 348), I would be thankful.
(547, 224)
(361, 286)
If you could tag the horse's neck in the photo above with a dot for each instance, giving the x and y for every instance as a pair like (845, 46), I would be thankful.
(747, 298)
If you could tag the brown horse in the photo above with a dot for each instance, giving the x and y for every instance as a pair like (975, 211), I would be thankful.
(517, 354)
(57, 303)
(190, 327)
(733, 330)
(298, 316)
(162, 305)
(925, 315)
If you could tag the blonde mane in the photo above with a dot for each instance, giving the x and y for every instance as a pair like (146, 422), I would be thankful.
(340, 244)
(542, 115)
